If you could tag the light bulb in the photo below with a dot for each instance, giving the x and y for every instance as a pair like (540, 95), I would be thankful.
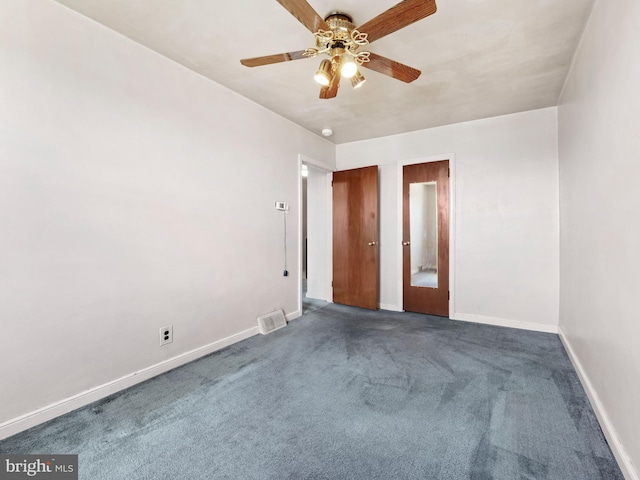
(322, 79)
(348, 69)
(323, 75)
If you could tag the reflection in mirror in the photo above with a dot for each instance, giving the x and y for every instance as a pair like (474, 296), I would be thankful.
(423, 219)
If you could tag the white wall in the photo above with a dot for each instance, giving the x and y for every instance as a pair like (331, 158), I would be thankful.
(599, 132)
(133, 194)
(506, 227)
(388, 210)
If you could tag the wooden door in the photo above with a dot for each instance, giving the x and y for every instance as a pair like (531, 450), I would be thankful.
(425, 238)
(355, 237)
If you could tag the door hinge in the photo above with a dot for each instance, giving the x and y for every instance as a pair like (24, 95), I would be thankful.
(448, 172)
(332, 283)
(448, 294)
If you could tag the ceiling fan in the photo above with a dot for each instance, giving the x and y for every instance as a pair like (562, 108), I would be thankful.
(337, 37)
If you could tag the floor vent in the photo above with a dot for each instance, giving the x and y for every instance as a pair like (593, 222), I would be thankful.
(271, 321)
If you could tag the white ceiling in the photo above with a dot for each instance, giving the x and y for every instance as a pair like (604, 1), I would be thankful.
(479, 58)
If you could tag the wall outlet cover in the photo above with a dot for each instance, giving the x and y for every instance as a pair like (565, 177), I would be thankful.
(166, 335)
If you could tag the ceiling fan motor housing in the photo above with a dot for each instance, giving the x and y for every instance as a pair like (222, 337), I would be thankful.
(339, 20)
(341, 25)
(339, 39)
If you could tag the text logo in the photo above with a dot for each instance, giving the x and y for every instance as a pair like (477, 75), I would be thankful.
(45, 467)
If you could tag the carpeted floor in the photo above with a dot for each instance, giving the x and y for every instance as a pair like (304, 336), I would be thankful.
(344, 393)
(310, 304)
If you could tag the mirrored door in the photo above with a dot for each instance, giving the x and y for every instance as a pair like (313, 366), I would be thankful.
(426, 238)
(423, 234)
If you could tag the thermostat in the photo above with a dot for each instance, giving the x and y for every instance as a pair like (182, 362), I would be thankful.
(281, 206)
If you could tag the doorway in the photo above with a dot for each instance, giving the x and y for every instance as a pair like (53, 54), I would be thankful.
(315, 236)
(425, 238)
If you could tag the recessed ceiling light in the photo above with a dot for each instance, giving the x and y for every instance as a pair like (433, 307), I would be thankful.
(327, 132)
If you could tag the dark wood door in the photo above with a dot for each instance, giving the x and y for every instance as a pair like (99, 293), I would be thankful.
(425, 238)
(355, 237)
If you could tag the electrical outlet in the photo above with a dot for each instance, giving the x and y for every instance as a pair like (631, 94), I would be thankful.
(166, 335)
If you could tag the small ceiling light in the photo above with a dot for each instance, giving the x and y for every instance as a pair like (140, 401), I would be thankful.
(349, 67)
(327, 132)
(357, 80)
(323, 75)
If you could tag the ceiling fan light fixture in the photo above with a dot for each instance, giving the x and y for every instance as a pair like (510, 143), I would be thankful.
(358, 80)
(338, 37)
(348, 68)
(323, 75)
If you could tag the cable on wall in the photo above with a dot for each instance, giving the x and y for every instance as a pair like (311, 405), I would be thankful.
(284, 215)
(284, 208)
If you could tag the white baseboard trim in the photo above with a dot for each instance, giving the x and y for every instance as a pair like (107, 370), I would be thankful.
(317, 296)
(41, 415)
(625, 463)
(292, 315)
(501, 322)
(390, 307)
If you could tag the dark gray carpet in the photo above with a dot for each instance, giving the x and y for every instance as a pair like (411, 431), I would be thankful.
(312, 304)
(344, 393)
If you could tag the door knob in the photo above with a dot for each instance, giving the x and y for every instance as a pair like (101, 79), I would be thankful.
(406, 244)
(371, 244)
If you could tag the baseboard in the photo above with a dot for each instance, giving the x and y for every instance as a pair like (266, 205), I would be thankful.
(79, 400)
(390, 307)
(501, 322)
(625, 463)
(316, 296)
(292, 315)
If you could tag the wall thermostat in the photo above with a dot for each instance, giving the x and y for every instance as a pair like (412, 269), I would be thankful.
(281, 206)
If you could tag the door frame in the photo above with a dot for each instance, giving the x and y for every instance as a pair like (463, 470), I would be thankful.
(451, 157)
(302, 159)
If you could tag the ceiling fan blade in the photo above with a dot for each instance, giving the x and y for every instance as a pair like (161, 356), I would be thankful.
(269, 59)
(305, 14)
(391, 68)
(331, 91)
(399, 16)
